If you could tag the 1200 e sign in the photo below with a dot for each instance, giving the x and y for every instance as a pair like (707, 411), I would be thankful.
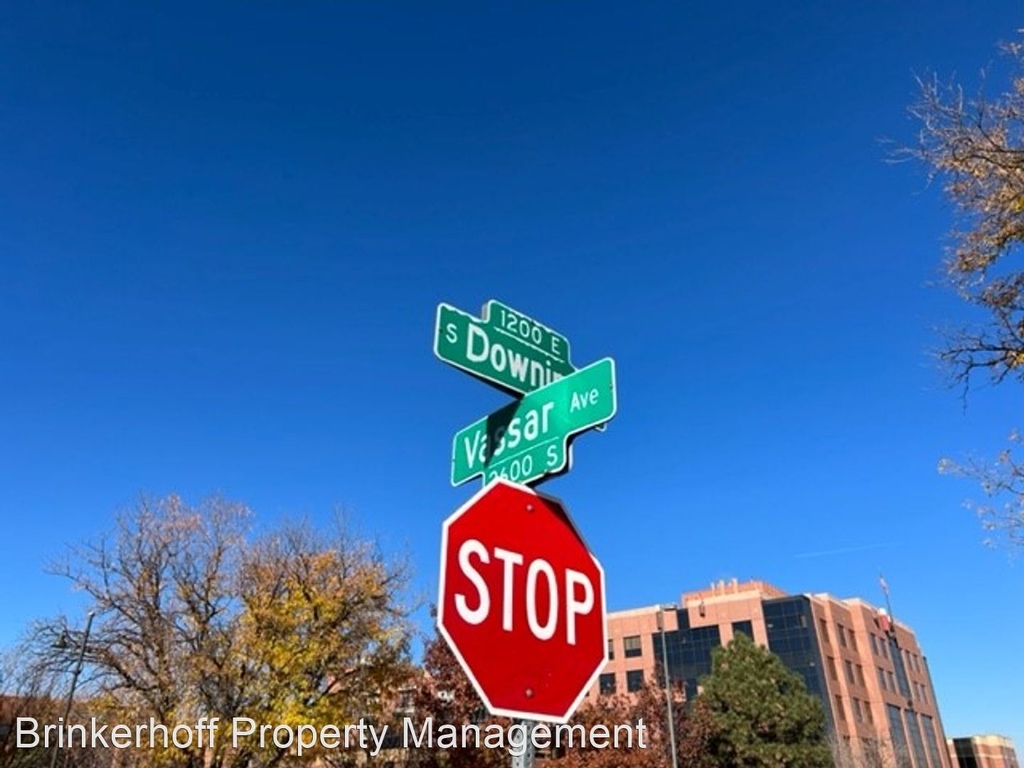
(505, 348)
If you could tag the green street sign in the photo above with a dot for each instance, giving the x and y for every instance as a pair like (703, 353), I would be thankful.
(528, 439)
(505, 348)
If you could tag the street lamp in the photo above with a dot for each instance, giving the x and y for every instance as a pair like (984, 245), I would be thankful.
(62, 643)
(668, 683)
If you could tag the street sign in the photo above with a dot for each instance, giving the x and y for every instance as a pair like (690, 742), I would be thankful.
(528, 439)
(522, 602)
(505, 348)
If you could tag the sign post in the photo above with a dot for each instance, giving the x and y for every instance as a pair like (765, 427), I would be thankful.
(522, 599)
(526, 759)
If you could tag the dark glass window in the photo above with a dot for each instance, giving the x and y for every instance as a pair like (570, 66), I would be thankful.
(607, 684)
(901, 671)
(915, 739)
(792, 636)
(840, 709)
(849, 671)
(832, 668)
(857, 714)
(746, 627)
(823, 631)
(898, 736)
(688, 651)
(965, 756)
(611, 648)
(881, 679)
(860, 675)
(634, 680)
(631, 646)
(874, 644)
(841, 631)
(930, 742)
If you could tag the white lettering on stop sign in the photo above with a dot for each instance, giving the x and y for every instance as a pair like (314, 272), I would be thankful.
(577, 588)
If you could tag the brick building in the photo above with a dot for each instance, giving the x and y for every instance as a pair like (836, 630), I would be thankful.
(868, 671)
(982, 752)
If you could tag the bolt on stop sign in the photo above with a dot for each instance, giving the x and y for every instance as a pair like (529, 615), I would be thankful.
(522, 602)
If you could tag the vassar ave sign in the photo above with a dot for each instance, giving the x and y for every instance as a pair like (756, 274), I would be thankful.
(522, 602)
(505, 348)
(529, 438)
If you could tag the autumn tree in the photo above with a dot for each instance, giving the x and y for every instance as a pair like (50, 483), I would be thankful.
(444, 693)
(692, 724)
(762, 713)
(195, 616)
(25, 691)
(975, 146)
(610, 711)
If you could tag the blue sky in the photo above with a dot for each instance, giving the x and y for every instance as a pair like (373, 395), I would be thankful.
(225, 232)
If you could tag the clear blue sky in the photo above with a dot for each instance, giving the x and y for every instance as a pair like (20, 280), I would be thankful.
(223, 234)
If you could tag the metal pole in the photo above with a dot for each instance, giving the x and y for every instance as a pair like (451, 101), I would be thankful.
(668, 689)
(74, 681)
(525, 760)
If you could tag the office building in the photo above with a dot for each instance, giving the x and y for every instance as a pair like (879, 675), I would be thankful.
(982, 752)
(868, 671)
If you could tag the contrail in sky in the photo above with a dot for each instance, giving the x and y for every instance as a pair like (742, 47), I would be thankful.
(842, 551)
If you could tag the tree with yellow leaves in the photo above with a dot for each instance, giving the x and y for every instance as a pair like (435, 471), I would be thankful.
(194, 618)
(975, 146)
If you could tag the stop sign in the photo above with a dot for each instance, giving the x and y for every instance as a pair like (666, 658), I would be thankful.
(522, 602)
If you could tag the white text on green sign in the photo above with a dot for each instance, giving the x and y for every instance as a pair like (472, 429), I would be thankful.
(528, 439)
(505, 348)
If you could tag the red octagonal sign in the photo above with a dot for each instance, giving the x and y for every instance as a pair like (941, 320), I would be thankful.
(522, 602)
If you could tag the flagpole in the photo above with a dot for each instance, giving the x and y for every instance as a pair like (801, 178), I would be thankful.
(885, 590)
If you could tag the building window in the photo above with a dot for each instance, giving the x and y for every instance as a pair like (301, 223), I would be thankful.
(824, 631)
(870, 717)
(832, 668)
(841, 631)
(892, 681)
(631, 646)
(849, 671)
(634, 680)
(853, 640)
(860, 675)
(840, 709)
(874, 644)
(746, 627)
(929, 732)
(607, 684)
(881, 679)
(611, 649)
(897, 732)
(857, 714)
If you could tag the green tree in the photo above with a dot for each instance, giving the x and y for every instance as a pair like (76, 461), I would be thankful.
(974, 145)
(763, 715)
